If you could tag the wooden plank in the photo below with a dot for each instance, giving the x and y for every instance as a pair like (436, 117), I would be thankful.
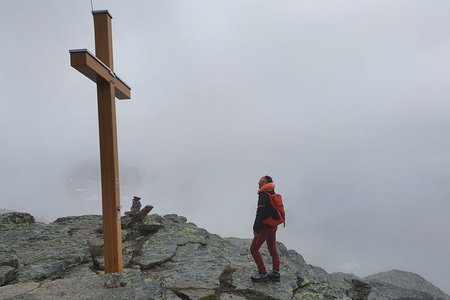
(112, 235)
(94, 69)
(123, 92)
(88, 65)
(103, 38)
(139, 216)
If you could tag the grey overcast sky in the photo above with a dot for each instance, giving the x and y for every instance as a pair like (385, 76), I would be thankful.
(345, 103)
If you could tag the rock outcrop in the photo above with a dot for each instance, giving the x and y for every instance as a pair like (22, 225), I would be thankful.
(396, 284)
(165, 257)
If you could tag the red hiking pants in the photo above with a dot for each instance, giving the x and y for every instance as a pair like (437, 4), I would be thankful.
(266, 234)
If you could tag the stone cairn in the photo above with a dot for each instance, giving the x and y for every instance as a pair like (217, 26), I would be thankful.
(136, 215)
(135, 207)
(135, 224)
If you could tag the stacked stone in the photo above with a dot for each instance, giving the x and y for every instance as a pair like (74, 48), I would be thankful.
(134, 219)
(135, 207)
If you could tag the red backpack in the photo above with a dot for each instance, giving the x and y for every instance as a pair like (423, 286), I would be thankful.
(277, 203)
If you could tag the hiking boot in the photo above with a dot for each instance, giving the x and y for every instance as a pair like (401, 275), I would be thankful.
(274, 276)
(260, 277)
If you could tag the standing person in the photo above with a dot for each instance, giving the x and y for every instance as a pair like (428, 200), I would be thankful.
(265, 233)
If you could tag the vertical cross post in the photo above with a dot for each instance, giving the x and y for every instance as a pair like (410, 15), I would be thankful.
(99, 68)
(109, 162)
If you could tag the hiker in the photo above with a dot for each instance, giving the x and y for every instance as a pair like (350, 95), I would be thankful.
(263, 232)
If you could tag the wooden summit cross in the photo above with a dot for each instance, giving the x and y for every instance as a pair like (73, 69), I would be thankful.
(100, 69)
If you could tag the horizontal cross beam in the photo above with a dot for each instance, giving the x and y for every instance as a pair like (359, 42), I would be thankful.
(97, 71)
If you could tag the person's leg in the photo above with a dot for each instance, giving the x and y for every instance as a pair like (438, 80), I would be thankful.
(257, 242)
(272, 246)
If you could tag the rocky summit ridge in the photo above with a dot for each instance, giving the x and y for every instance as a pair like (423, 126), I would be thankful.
(166, 257)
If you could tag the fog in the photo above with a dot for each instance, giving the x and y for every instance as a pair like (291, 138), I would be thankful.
(344, 103)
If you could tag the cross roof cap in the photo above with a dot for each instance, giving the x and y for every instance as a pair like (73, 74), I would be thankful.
(101, 12)
(79, 50)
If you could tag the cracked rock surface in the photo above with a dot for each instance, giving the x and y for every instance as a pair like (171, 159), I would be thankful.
(396, 284)
(165, 257)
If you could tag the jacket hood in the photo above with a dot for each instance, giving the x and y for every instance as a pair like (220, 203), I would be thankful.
(267, 187)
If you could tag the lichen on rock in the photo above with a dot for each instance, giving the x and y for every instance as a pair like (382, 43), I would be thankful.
(15, 219)
(164, 258)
